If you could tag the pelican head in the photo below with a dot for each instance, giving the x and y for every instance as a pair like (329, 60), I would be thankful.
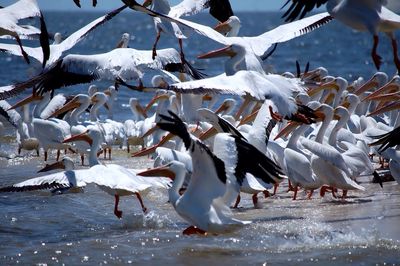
(57, 38)
(66, 163)
(230, 27)
(377, 80)
(92, 90)
(159, 81)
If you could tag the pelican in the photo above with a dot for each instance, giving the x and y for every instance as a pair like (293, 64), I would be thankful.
(134, 127)
(120, 63)
(221, 10)
(124, 42)
(57, 49)
(215, 177)
(10, 16)
(361, 15)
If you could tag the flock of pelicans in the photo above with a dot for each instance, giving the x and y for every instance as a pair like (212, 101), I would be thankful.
(312, 129)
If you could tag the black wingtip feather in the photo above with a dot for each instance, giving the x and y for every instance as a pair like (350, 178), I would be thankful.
(175, 125)
(44, 40)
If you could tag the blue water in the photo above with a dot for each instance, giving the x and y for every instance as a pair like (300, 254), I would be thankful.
(75, 229)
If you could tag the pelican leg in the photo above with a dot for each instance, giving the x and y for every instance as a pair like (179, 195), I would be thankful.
(276, 185)
(296, 188)
(395, 51)
(237, 202)
(45, 156)
(182, 54)
(117, 212)
(344, 195)
(155, 44)
(37, 152)
(19, 150)
(105, 153)
(58, 155)
(128, 148)
(310, 193)
(266, 194)
(82, 158)
(109, 153)
(191, 230)
(375, 57)
(255, 200)
(24, 54)
(144, 209)
(290, 188)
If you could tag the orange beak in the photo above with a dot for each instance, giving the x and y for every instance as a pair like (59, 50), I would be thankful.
(226, 51)
(49, 167)
(80, 137)
(286, 130)
(159, 171)
(153, 148)
(25, 101)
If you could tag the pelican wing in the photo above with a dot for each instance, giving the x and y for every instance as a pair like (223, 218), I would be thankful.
(56, 103)
(327, 153)
(188, 8)
(74, 178)
(20, 10)
(242, 83)
(14, 49)
(123, 63)
(299, 8)
(12, 116)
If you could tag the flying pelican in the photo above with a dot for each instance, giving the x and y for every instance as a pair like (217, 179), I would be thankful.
(120, 63)
(56, 50)
(362, 15)
(221, 10)
(10, 16)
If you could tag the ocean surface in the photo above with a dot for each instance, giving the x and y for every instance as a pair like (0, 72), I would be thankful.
(37, 228)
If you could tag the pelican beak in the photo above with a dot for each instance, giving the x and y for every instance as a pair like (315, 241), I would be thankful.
(329, 99)
(49, 167)
(153, 148)
(159, 171)
(150, 131)
(154, 100)
(223, 27)
(147, 3)
(208, 133)
(286, 130)
(386, 108)
(390, 87)
(25, 101)
(250, 118)
(140, 109)
(207, 97)
(226, 51)
(222, 108)
(107, 92)
(80, 137)
(328, 85)
(372, 83)
(320, 115)
(74, 103)
(386, 97)
(346, 103)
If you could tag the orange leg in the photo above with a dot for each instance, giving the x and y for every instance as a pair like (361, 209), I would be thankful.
(155, 44)
(255, 199)
(344, 195)
(375, 57)
(266, 194)
(117, 212)
(237, 202)
(194, 230)
(395, 56)
(290, 187)
(276, 185)
(296, 188)
(310, 193)
(144, 209)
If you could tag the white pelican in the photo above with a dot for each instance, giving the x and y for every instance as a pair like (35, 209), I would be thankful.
(202, 204)
(362, 15)
(120, 63)
(50, 132)
(134, 127)
(221, 10)
(56, 50)
(113, 179)
(10, 16)
(124, 42)
(24, 138)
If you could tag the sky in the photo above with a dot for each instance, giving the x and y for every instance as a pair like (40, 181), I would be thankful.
(105, 5)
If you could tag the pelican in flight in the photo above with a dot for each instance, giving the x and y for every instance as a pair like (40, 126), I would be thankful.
(202, 204)
(118, 64)
(221, 10)
(56, 50)
(361, 15)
